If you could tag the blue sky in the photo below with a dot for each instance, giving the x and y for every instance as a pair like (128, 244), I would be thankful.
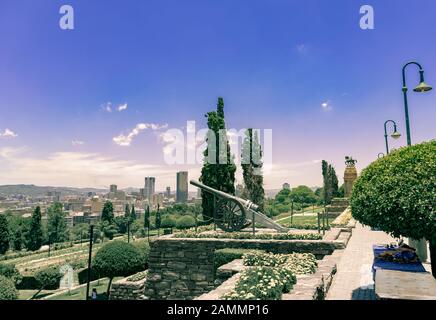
(274, 62)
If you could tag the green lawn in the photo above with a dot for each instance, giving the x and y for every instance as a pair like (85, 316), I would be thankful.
(306, 210)
(80, 294)
(27, 294)
(299, 220)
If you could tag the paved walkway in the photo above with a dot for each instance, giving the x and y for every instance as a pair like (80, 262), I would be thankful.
(353, 281)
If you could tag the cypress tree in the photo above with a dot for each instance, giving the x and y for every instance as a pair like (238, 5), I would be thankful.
(133, 213)
(218, 169)
(35, 235)
(5, 236)
(56, 224)
(251, 161)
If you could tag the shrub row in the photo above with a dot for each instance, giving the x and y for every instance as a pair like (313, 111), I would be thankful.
(224, 256)
(246, 235)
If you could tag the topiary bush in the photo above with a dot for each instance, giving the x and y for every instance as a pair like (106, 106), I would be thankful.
(397, 194)
(185, 222)
(118, 259)
(48, 278)
(168, 222)
(7, 289)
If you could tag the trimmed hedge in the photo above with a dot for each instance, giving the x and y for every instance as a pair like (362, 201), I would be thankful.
(396, 193)
(185, 222)
(7, 289)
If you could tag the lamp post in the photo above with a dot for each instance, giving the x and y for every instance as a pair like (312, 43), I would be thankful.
(422, 87)
(380, 155)
(420, 245)
(396, 135)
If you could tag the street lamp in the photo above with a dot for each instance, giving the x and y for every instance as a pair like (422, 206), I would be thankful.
(380, 155)
(396, 135)
(422, 87)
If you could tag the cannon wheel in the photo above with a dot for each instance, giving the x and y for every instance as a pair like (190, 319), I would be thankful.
(229, 215)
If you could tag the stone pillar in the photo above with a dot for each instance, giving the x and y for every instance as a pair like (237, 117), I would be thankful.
(350, 175)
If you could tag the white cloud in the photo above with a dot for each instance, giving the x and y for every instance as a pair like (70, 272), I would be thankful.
(326, 106)
(77, 143)
(122, 107)
(7, 133)
(106, 107)
(126, 140)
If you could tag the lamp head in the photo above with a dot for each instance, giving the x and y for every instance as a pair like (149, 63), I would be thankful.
(422, 86)
(396, 135)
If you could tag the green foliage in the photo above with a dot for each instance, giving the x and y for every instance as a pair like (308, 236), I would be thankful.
(35, 236)
(7, 289)
(5, 236)
(144, 248)
(121, 223)
(118, 258)
(251, 162)
(298, 263)
(147, 218)
(158, 219)
(168, 222)
(397, 193)
(330, 181)
(56, 225)
(107, 214)
(262, 283)
(133, 216)
(218, 169)
(11, 272)
(127, 212)
(303, 194)
(109, 230)
(48, 278)
(185, 222)
(246, 235)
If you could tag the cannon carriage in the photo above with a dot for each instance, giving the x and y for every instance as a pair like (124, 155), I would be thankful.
(233, 214)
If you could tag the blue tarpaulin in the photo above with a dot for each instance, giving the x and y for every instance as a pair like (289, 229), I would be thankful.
(382, 264)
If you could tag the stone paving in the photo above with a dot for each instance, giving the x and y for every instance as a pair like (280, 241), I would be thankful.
(353, 280)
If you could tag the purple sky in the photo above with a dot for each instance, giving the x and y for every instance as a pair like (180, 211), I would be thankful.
(305, 70)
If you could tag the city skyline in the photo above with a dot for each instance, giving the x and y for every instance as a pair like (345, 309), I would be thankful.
(88, 107)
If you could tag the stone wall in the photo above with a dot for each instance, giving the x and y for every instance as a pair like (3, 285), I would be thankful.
(184, 268)
(128, 290)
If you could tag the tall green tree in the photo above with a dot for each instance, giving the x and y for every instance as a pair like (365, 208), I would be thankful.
(35, 236)
(330, 181)
(56, 225)
(147, 218)
(219, 168)
(251, 162)
(107, 215)
(127, 212)
(5, 236)
(133, 213)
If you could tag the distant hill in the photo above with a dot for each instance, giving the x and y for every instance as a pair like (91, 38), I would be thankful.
(36, 191)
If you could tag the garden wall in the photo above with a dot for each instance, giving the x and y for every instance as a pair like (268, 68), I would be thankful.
(128, 290)
(184, 268)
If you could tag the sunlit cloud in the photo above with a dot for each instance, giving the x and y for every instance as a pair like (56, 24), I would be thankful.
(125, 140)
(76, 143)
(122, 107)
(326, 106)
(8, 134)
(78, 169)
(107, 107)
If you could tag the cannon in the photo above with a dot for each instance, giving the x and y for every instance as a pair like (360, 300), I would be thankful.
(232, 213)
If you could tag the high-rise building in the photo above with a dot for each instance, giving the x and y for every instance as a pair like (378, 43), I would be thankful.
(149, 187)
(182, 186)
(113, 188)
(168, 193)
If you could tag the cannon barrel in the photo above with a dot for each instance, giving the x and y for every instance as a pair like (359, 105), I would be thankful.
(246, 203)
